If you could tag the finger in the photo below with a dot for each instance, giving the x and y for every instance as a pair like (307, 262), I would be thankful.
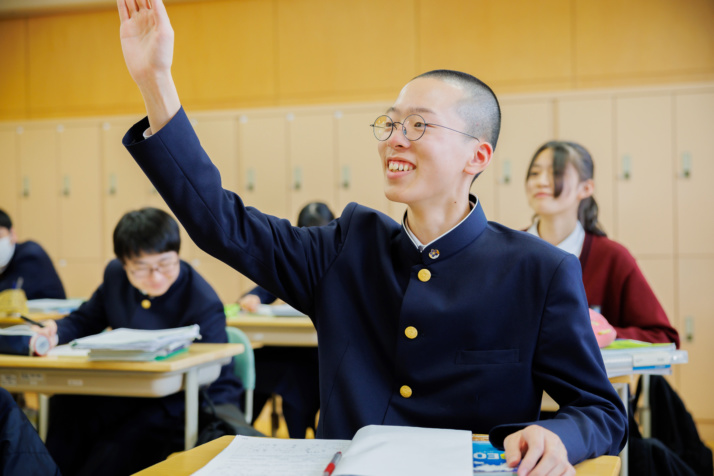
(143, 4)
(123, 10)
(533, 454)
(512, 447)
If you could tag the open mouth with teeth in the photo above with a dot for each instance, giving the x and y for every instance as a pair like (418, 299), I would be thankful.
(395, 166)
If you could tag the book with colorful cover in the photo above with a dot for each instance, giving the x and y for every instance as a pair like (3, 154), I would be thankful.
(488, 459)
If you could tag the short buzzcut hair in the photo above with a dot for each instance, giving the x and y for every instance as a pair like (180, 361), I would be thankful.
(5, 221)
(145, 231)
(479, 109)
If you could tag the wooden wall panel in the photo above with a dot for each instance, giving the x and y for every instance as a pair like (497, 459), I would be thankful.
(350, 50)
(643, 41)
(10, 176)
(224, 53)
(13, 64)
(503, 43)
(76, 67)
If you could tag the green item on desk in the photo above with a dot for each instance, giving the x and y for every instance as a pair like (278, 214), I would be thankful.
(176, 352)
(619, 344)
(232, 309)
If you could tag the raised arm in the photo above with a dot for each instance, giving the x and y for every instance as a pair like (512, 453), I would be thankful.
(147, 41)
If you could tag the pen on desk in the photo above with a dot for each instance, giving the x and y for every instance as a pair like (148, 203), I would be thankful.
(331, 467)
(18, 283)
(31, 321)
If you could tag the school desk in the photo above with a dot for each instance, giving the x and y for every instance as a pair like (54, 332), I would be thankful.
(78, 375)
(188, 462)
(7, 321)
(276, 331)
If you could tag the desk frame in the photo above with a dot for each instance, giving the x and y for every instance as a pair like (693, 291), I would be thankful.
(78, 375)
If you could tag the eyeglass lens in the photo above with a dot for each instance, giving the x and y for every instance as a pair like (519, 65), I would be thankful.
(413, 127)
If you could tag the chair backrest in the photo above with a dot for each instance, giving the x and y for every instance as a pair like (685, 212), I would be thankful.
(244, 363)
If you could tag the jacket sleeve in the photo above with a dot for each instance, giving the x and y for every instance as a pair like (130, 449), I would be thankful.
(287, 261)
(89, 319)
(568, 366)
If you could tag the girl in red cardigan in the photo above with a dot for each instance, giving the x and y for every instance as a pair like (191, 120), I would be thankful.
(559, 187)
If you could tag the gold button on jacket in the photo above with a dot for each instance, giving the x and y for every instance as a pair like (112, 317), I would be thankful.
(405, 391)
(146, 304)
(411, 332)
(424, 275)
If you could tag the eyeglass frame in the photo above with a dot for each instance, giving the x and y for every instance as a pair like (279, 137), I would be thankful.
(404, 129)
(149, 270)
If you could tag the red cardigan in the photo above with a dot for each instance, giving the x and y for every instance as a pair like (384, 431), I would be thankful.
(614, 282)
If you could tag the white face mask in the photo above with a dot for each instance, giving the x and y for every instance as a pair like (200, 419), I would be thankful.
(7, 249)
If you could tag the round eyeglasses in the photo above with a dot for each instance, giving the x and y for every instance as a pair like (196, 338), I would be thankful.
(413, 127)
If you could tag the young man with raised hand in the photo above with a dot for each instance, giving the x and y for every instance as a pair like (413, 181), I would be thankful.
(445, 320)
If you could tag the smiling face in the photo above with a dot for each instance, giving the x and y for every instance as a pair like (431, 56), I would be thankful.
(438, 168)
(540, 188)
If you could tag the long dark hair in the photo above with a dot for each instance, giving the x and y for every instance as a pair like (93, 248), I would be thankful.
(570, 152)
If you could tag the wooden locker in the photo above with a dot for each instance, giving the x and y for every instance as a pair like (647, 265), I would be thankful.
(311, 160)
(694, 169)
(645, 213)
(40, 197)
(359, 167)
(696, 328)
(10, 178)
(525, 126)
(588, 121)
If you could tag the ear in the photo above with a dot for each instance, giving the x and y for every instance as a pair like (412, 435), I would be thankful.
(586, 189)
(13, 235)
(482, 155)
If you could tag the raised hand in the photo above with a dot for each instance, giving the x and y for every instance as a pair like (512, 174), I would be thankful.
(147, 41)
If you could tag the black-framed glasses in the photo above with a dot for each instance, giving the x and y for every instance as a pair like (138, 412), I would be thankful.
(413, 127)
(163, 267)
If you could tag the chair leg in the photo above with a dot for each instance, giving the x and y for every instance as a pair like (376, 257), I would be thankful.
(274, 416)
(249, 406)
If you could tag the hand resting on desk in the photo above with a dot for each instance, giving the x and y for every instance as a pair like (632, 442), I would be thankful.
(539, 451)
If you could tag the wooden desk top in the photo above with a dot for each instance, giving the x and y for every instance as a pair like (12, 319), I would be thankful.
(197, 354)
(188, 462)
(6, 321)
(249, 320)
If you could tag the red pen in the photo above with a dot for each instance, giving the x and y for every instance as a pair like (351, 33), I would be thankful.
(331, 467)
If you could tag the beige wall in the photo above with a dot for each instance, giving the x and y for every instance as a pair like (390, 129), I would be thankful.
(254, 53)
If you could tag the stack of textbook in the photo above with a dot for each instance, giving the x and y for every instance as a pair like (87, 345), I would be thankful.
(138, 344)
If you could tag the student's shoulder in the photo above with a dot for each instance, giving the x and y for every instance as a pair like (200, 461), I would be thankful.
(194, 283)
(603, 249)
(30, 248)
(518, 241)
(358, 215)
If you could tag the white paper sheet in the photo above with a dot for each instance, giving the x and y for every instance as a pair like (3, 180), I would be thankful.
(253, 456)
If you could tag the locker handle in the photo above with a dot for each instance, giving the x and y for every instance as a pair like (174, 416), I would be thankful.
(112, 184)
(505, 172)
(26, 186)
(626, 167)
(346, 177)
(686, 165)
(689, 328)
(66, 186)
(297, 178)
(250, 176)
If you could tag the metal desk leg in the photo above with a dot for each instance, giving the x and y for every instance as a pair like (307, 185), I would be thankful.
(191, 427)
(623, 390)
(645, 411)
(43, 416)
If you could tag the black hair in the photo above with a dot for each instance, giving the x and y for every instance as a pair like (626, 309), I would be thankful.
(479, 108)
(145, 231)
(565, 152)
(5, 221)
(315, 214)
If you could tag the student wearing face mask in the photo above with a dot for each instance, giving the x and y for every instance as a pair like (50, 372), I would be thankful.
(559, 187)
(26, 260)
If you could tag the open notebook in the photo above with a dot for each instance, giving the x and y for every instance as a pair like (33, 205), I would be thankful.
(374, 451)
